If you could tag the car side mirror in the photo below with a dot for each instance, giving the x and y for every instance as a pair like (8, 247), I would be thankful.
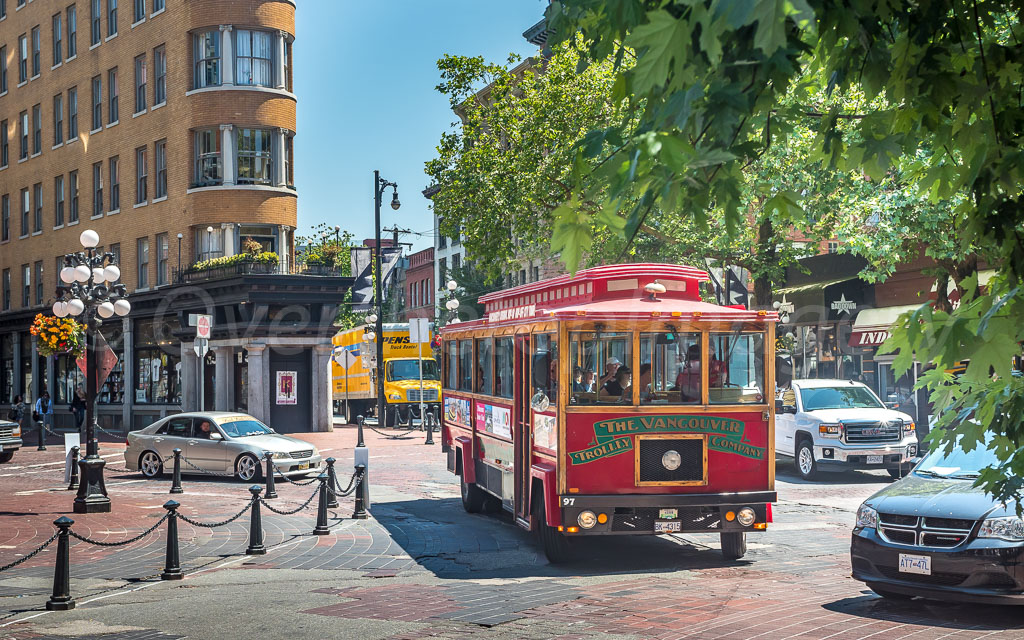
(215, 436)
(788, 408)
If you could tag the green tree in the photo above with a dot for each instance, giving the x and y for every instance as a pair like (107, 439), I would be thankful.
(708, 80)
(329, 248)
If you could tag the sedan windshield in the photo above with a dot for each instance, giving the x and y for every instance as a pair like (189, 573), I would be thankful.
(958, 463)
(851, 397)
(243, 428)
(408, 370)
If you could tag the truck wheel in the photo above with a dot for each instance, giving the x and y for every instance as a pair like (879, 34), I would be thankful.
(555, 544)
(473, 497)
(734, 544)
(6, 456)
(804, 460)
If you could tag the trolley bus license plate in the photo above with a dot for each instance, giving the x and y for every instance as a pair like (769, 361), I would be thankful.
(303, 465)
(874, 459)
(668, 514)
(667, 526)
(915, 564)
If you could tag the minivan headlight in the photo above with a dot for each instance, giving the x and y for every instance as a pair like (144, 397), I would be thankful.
(1008, 528)
(867, 517)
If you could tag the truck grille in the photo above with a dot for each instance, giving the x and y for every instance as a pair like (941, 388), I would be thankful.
(649, 458)
(642, 518)
(429, 395)
(872, 432)
(298, 455)
(6, 431)
(925, 532)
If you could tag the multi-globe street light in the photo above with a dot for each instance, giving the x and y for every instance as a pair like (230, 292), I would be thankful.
(91, 290)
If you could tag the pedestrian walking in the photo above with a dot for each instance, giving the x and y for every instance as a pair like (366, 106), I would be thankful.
(78, 409)
(21, 413)
(44, 410)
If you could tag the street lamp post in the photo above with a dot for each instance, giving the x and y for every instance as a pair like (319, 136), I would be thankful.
(91, 292)
(379, 186)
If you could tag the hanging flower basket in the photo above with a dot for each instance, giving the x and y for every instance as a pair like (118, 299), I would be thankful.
(56, 336)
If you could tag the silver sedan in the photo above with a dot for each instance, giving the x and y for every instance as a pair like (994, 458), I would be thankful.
(217, 442)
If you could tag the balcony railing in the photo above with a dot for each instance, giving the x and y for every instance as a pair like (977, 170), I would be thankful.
(191, 275)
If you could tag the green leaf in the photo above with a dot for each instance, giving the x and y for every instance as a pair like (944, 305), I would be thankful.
(657, 42)
(572, 234)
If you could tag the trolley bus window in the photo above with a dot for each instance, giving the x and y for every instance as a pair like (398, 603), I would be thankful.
(465, 365)
(503, 367)
(451, 365)
(544, 366)
(674, 363)
(484, 379)
(736, 368)
(595, 360)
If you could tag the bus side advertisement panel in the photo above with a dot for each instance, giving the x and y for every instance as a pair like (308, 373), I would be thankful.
(602, 451)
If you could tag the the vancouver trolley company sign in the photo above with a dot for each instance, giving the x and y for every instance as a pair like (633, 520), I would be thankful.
(612, 437)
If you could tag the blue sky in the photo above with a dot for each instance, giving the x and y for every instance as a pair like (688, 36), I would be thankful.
(365, 74)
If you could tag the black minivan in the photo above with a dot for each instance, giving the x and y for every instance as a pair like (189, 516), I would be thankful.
(934, 534)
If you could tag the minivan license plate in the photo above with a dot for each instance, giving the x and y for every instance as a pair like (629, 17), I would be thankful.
(915, 564)
(667, 526)
(874, 459)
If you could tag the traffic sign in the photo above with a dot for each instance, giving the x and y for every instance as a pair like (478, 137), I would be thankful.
(201, 346)
(203, 324)
(344, 357)
(419, 330)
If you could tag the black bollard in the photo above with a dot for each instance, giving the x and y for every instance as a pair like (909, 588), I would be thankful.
(176, 478)
(61, 599)
(332, 483)
(74, 469)
(41, 444)
(271, 491)
(428, 420)
(172, 565)
(360, 512)
(256, 547)
(321, 509)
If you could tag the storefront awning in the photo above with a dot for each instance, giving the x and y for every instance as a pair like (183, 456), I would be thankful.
(873, 326)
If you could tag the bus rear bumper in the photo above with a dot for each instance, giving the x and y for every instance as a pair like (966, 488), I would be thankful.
(657, 514)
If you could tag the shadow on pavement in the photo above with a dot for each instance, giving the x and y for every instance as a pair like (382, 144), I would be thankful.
(934, 613)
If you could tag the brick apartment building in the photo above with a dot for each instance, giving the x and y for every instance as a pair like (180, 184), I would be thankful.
(166, 126)
(420, 291)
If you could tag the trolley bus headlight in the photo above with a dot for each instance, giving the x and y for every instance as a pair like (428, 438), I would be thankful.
(671, 460)
(587, 519)
(746, 516)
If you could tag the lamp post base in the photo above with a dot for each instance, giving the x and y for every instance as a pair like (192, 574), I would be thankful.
(92, 493)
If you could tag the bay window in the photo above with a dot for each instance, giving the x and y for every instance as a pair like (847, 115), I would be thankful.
(208, 161)
(254, 152)
(206, 54)
(254, 58)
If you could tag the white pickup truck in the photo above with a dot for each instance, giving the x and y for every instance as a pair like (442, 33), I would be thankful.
(839, 424)
(10, 439)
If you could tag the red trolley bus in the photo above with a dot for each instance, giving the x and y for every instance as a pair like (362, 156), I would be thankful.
(614, 402)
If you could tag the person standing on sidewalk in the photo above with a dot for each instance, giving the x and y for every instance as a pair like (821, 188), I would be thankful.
(44, 408)
(78, 409)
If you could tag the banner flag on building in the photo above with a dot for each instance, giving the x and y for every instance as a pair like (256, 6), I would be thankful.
(362, 264)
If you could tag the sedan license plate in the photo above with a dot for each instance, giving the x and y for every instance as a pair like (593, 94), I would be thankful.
(874, 459)
(667, 526)
(915, 564)
(668, 514)
(303, 465)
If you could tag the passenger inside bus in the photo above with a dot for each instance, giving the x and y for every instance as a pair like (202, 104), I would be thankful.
(615, 389)
(688, 378)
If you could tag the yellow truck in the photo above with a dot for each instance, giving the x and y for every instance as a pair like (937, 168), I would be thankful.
(355, 387)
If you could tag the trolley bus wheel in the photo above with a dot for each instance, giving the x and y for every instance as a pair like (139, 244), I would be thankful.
(555, 544)
(734, 544)
(473, 497)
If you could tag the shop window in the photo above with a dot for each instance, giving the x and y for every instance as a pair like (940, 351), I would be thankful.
(736, 368)
(157, 363)
(503, 363)
(671, 369)
(484, 366)
(465, 365)
(599, 363)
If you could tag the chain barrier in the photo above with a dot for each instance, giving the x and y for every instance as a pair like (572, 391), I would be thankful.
(344, 493)
(281, 512)
(278, 474)
(214, 525)
(217, 474)
(122, 542)
(127, 470)
(29, 556)
(390, 436)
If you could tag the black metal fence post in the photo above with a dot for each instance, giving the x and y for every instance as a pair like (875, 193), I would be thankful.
(428, 424)
(172, 564)
(74, 469)
(41, 439)
(271, 491)
(321, 508)
(332, 483)
(360, 512)
(176, 478)
(61, 599)
(256, 546)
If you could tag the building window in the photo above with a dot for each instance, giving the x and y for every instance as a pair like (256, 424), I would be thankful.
(7, 289)
(37, 219)
(289, 161)
(111, 18)
(113, 109)
(833, 246)
(207, 59)
(22, 58)
(5, 218)
(208, 166)
(254, 156)
(456, 262)
(140, 83)
(4, 144)
(58, 201)
(97, 103)
(23, 134)
(253, 58)
(163, 249)
(157, 367)
(3, 8)
(141, 176)
(288, 66)
(26, 286)
(160, 75)
(38, 267)
(37, 129)
(73, 188)
(36, 46)
(58, 119)
(143, 260)
(58, 39)
(115, 184)
(72, 32)
(97, 189)
(72, 113)
(97, 21)
(24, 212)
(160, 189)
(140, 11)
(158, 5)
(3, 69)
